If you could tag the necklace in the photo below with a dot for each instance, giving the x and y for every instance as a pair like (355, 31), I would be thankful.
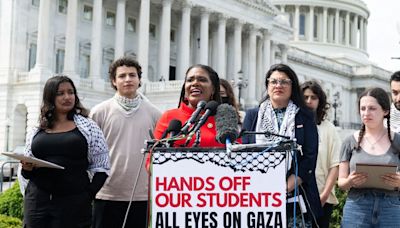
(376, 141)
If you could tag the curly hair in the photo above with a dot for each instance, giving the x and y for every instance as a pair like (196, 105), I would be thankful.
(47, 110)
(124, 61)
(214, 81)
(323, 105)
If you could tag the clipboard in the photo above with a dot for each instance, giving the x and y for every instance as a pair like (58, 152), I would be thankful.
(375, 171)
(38, 162)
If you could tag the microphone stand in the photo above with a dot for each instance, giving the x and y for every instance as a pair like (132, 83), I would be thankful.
(197, 141)
(266, 133)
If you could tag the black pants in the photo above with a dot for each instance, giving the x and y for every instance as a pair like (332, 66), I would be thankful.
(323, 221)
(43, 210)
(111, 214)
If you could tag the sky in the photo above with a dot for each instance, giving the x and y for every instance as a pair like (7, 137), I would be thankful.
(384, 33)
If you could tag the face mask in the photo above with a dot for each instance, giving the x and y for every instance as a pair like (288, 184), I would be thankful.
(225, 100)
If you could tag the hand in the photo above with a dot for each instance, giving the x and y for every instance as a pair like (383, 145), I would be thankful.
(391, 179)
(323, 198)
(27, 166)
(357, 179)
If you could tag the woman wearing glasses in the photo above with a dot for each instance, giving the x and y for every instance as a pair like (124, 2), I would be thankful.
(283, 112)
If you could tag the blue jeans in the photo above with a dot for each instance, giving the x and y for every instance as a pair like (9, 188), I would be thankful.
(371, 208)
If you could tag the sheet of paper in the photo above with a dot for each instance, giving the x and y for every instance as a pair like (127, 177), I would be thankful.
(36, 161)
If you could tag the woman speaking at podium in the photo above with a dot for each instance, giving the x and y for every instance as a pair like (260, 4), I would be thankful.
(283, 112)
(201, 85)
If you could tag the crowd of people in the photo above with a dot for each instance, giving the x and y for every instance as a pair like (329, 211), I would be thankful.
(101, 153)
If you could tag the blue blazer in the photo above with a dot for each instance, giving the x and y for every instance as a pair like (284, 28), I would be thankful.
(306, 134)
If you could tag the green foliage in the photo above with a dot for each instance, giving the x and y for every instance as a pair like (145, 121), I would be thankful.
(337, 213)
(11, 202)
(10, 222)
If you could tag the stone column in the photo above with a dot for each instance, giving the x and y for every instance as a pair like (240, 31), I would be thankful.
(120, 30)
(43, 37)
(252, 65)
(284, 49)
(205, 16)
(143, 38)
(354, 31)
(296, 23)
(266, 50)
(185, 41)
(237, 37)
(337, 20)
(165, 39)
(361, 23)
(71, 47)
(96, 52)
(273, 50)
(311, 25)
(365, 34)
(221, 60)
(325, 25)
(347, 29)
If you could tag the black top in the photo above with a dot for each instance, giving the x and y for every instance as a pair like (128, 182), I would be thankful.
(68, 149)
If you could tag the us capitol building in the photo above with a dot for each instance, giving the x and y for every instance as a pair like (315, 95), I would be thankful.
(324, 40)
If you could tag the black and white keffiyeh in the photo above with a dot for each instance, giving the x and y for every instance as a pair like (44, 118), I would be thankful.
(267, 122)
(394, 119)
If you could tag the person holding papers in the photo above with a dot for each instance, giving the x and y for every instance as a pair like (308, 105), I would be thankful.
(201, 85)
(376, 144)
(284, 112)
(66, 137)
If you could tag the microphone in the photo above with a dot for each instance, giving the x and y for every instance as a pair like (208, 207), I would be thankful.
(193, 117)
(211, 109)
(226, 121)
(174, 127)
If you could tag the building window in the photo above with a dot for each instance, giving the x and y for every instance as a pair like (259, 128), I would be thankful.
(84, 66)
(62, 6)
(315, 30)
(36, 3)
(106, 65)
(87, 12)
(152, 30)
(302, 28)
(110, 18)
(343, 26)
(32, 56)
(131, 24)
(60, 60)
(173, 35)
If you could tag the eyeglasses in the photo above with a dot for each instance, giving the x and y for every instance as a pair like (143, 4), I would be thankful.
(282, 82)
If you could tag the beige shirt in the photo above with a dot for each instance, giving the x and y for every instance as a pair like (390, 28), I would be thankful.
(125, 133)
(328, 156)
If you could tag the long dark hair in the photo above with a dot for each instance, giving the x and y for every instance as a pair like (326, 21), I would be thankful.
(383, 100)
(214, 80)
(323, 105)
(47, 110)
(296, 96)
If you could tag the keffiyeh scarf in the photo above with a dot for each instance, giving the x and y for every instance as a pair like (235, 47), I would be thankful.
(267, 122)
(128, 104)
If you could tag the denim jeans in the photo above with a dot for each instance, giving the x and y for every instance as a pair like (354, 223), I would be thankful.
(371, 208)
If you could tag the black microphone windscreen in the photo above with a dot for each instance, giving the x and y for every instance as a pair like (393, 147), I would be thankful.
(174, 125)
(212, 106)
(226, 123)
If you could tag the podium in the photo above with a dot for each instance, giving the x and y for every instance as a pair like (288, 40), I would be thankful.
(207, 187)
